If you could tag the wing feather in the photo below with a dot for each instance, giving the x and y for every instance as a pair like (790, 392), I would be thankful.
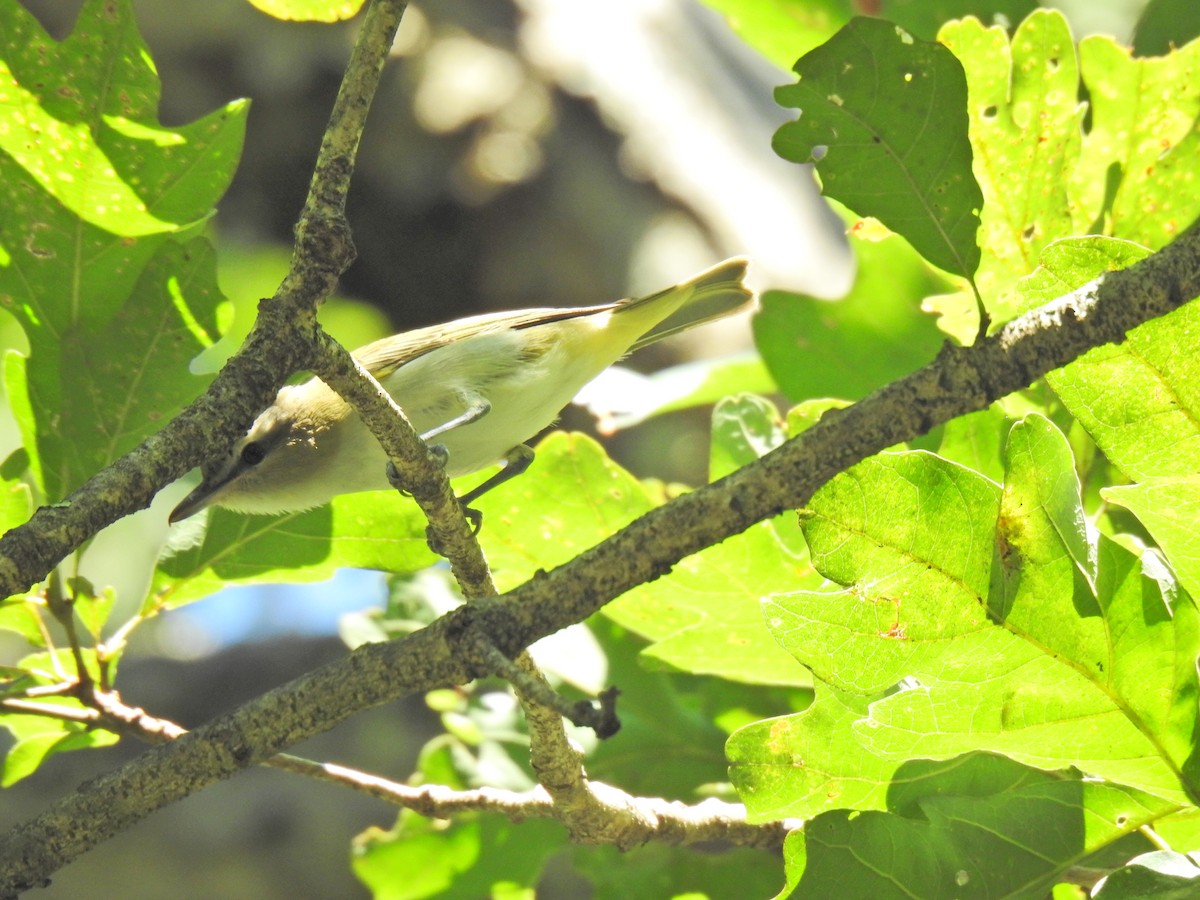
(384, 356)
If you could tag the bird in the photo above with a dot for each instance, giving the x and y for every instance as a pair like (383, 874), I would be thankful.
(476, 389)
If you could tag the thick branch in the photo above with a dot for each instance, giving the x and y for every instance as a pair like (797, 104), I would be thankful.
(957, 382)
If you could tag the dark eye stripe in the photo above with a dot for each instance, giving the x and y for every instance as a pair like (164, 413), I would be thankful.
(253, 453)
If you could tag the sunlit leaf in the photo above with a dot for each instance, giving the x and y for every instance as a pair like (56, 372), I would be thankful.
(366, 531)
(95, 189)
(1025, 129)
(1169, 508)
(782, 30)
(36, 738)
(1008, 625)
(1141, 156)
(421, 858)
(309, 10)
(1139, 400)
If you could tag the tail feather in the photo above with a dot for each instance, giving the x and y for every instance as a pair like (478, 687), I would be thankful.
(716, 293)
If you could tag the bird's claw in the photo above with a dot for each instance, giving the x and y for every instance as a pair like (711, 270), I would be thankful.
(472, 515)
(393, 474)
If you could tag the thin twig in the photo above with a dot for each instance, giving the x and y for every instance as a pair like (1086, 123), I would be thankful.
(641, 819)
(629, 821)
(599, 716)
(63, 610)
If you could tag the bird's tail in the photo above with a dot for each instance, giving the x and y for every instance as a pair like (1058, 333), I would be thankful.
(715, 293)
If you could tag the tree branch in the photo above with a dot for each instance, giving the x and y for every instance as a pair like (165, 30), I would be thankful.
(285, 338)
(555, 762)
(280, 343)
(959, 381)
(613, 816)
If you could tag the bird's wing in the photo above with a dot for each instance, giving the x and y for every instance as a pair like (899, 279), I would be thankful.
(384, 356)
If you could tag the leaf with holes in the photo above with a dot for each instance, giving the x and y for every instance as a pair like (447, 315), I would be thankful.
(884, 118)
(1008, 625)
(1025, 125)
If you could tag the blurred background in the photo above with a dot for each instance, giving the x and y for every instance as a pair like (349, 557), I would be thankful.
(520, 153)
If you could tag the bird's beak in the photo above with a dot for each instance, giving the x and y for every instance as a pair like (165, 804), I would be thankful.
(209, 489)
(197, 500)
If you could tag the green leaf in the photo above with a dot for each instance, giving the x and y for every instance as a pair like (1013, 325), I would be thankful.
(1025, 123)
(123, 380)
(807, 413)
(654, 871)
(1043, 177)
(1067, 265)
(1088, 601)
(1169, 508)
(365, 531)
(883, 116)
(488, 857)
(918, 533)
(1181, 830)
(621, 398)
(924, 17)
(92, 183)
(1040, 510)
(669, 745)
(23, 617)
(850, 347)
(1123, 650)
(95, 189)
(979, 826)
(1161, 874)
(16, 391)
(976, 441)
(38, 737)
(309, 10)
(1141, 157)
(1139, 400)
(1064, 651)
(572, 497)
(782, 30)
(485, 741)
(16, 504)
(744, 428)
(421, 858)
(809, 762)
(52, 667)
(704, 618)
(91, 606)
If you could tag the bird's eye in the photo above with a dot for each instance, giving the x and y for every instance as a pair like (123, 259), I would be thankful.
(253, 454)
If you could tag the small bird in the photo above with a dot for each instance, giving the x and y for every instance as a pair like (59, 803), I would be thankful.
(478, 387)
